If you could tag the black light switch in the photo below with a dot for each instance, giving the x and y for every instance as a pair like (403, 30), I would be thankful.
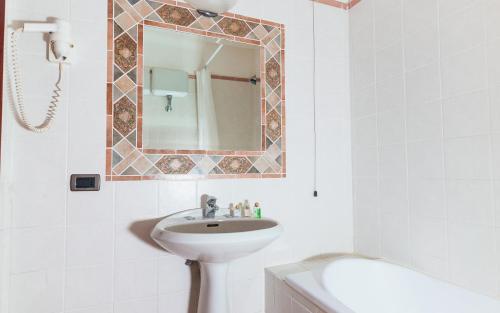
(85, 182)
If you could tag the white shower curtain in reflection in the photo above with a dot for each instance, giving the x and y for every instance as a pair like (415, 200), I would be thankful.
(208, 136)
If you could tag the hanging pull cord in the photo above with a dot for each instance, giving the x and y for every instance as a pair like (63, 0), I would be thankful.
(315, 118)
(16, 89)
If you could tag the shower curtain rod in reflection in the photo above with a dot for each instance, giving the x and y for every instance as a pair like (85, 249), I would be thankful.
(231, 78)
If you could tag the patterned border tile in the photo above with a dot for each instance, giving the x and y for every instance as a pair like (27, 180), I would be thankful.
(339, 4)
(125, 157)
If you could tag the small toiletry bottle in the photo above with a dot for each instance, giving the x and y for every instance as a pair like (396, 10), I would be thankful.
(248, 210)
(231, 209)
(257, 212)
(242, 209)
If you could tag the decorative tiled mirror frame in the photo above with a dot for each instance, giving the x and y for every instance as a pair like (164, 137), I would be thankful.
(126, 159)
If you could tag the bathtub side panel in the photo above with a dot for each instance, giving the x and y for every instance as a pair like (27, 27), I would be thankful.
(280, 298)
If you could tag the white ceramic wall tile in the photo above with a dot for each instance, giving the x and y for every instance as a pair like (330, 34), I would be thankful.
(473, 265)
(493, 55)
(447, 7)
(38, 291)
(391, 127)
(91, 207)
(336, 69)
(173, 275)
(425, 159)
(136, 279)
(364, 13)
(247, 296)
(421, 46)
(27, 198)
(363, 71)
(368, 231)
(423, 85)
(388, 28)
(390, 93)
(492, 8)
(387, 7)
(108, 308)
(37, 258)
(176, 196)
(141, 306)
(88, 286)
(418, 15)
(467, 115)
(434, 267)
(129, 207)
(361, 43)
(428, 238)
(395, 238)
(464, 72)
(393, 196)
(54, 8)
(89, 245)
(427, 198)
(365, 162)
(424, 121)
(133, 241)
(462, 30)
(468, 158)
(176, 303)
(363, 102)
(365, 192)
(494, 97)
(392, 161)
(470, 202)
(364, 131)
(389, 61)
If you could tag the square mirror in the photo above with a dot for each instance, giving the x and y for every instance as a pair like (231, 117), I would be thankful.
(200, 93)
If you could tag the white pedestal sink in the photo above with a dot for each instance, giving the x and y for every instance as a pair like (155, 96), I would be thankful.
(214, 243)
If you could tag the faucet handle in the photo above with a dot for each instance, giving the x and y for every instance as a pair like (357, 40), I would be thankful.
(212, 202)
(208, 201)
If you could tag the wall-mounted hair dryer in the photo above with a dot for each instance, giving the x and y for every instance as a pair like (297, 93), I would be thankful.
(60, 41)
(60, 46)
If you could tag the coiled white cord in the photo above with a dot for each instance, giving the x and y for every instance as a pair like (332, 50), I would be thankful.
(16, 89)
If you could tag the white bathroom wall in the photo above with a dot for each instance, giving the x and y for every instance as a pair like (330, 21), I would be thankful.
(83, 252)
(426, 141)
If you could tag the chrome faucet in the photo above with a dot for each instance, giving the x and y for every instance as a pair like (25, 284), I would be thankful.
(209, 206)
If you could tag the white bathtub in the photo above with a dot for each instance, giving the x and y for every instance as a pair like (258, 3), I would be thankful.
(355, 285)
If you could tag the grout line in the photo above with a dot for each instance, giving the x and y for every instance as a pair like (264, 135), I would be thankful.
(405, 123)
(377, 140)
(66, 170)
(493, 182)
(158, 257)
(113, 236)
(443, 142)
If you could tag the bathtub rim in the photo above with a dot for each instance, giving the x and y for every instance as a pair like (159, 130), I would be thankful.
(314, 290)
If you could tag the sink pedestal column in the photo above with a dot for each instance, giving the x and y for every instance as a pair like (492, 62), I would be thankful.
(213, 291)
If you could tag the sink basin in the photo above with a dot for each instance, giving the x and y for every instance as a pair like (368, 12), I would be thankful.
(215, 240)
(214, 243)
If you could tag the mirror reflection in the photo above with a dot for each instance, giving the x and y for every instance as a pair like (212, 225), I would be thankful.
(200, 92)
